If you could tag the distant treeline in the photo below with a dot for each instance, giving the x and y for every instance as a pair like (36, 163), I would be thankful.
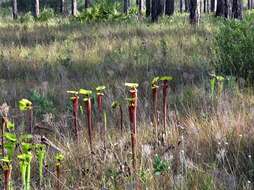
(150, 8)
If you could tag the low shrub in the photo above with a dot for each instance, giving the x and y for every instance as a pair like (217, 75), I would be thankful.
(234, 48)
(105, 10)
(46, 14)
(27, 18)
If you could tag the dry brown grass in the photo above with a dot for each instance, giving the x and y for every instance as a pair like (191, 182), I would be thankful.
(209, 143)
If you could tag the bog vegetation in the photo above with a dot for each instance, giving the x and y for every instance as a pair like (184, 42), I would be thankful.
(105, 95)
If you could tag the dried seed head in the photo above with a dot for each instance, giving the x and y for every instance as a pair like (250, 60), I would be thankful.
(4, 110)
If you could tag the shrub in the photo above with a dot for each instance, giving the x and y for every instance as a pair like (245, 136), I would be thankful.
(46, 14)
(4, 12)
(234, 48)
(26, 18)
(43, 105)
(106, 10)
(100, 11)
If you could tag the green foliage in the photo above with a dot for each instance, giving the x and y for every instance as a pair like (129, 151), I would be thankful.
(166, 78)
(72, 92)
(235, 44)
(6, 163)
(216, 81)
(144, 176)
(25, 169)
(100, 11)
(86, 93)
(212, 86)
(155, 82)
(25, 104)
(27, 18)
(4, 12)
(10, 144)
(43, 104)
(100, 88)
(131, 85)
(25, 138)
(10, 125)
(200, 180)
(160, 166)
(46, 14)
(59, 157)
(10, 137)
(40, 150)
(105, 10)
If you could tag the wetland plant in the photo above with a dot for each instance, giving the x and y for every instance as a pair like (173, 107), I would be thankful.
(58, 161)
(88, 104)
(165, 80)
(75, 107)
(133, 120)
(26, 106)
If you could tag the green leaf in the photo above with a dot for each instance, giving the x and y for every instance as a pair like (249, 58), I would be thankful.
(155, 80)
(26, 147)
(131, 85)
(166, 78)
(212, 86)
(40, 148)
(25, 138)
(5, 160)
(10, 137)
(72, 92)
(10, 125)
(115, 104)
(27, 157)
(59, 157)
(25, 104)
(100, 88)
(85, 92)
(220, 78)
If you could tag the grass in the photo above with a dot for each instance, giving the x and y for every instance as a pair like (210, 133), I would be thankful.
(209, 141)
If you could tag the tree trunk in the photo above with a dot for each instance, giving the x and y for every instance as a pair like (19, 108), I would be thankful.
(186, 4)
(169, 9)
(205, 1)
(140, 5)
(161, 7)
(194, 11)
(212, 6)
(207, 6)
(14, 9)
(181, 6)
(227, 9)
(88, 3)
(154, 13)
(220, 8)
(223, 8)
(237, 11)
(148, 8)
(249, 4)
(37, 8)
(74, 7)
(125, 6)
(62, 8)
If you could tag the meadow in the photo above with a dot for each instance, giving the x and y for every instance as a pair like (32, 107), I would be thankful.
(208, 141)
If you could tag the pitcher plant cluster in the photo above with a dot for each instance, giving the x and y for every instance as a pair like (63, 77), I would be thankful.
(84, 99)
(23, 144)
